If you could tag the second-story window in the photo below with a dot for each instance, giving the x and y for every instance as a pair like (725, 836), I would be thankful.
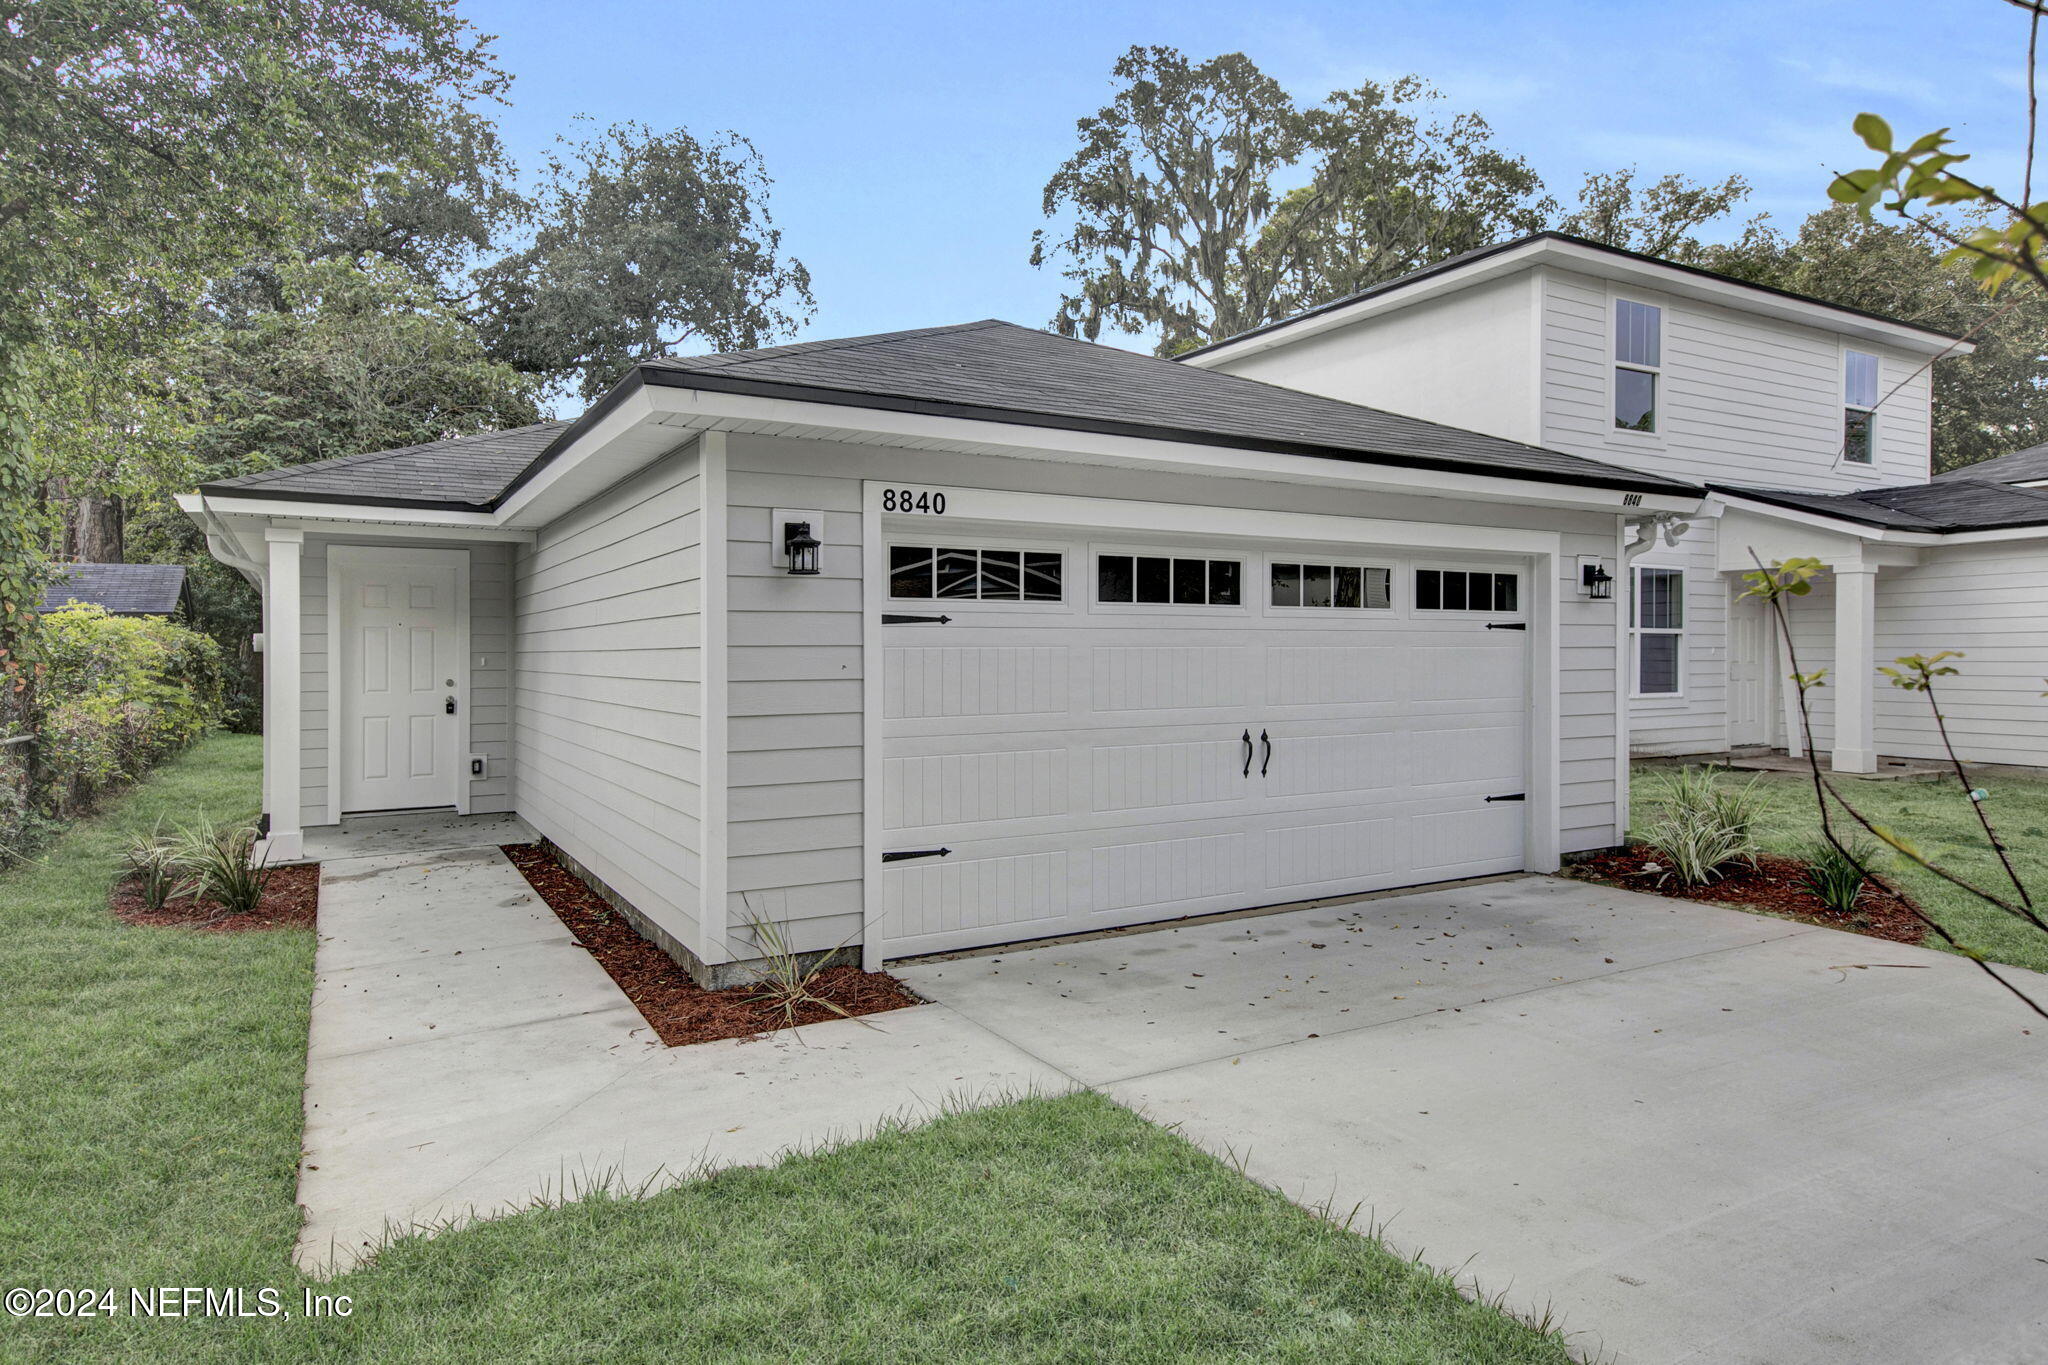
(1859, 407)
(1638, 364)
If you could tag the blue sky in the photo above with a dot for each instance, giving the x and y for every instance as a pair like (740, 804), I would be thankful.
(910, 142)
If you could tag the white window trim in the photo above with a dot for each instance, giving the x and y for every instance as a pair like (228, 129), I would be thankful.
(1842, 406)
(922, 540)
(1247, 566)
(1393, 567)
(1636, 632)
(1407, 595)
(1624, 435)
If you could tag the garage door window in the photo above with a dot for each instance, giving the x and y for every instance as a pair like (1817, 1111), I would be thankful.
(1658, 621)
(919, 572)
(1163, 580)
(1466, 590)
(1336, 586)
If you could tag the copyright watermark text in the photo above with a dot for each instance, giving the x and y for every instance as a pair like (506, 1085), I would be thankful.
(175, 1301)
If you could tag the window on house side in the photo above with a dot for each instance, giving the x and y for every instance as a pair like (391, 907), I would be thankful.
(1859, 407)
(1657, 620)
(1638, 364)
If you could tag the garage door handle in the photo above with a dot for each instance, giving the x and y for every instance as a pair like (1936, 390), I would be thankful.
(1247, 753)
(1263, 739)
(1507, 625)
(902, 853)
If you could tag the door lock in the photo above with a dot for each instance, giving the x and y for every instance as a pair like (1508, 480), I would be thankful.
(449, 706)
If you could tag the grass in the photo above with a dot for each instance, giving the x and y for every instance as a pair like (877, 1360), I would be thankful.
(149, 1131)
(1936, 817)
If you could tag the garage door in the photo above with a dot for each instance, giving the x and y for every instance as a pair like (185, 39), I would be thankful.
(1079, 735)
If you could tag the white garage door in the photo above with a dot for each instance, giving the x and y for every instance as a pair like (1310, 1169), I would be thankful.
(1106, 734)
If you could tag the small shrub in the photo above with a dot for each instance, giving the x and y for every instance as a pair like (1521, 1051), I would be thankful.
(1835, 879)
(218, 859)
(782, 984)
(154, 859)
(1704, 825)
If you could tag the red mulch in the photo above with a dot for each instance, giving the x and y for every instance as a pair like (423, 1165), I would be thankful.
(1774, 886)
(680, 1010)
(291, 899)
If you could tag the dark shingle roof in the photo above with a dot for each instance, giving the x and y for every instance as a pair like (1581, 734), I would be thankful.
(1000, 371)
(1939, 507)
(2021, 466)
(990, 370)
(123, 589)
(461, 471)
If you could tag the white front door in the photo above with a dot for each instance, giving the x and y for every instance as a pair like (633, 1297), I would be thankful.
(398, 675)
(1087, 763)
(1750, 676)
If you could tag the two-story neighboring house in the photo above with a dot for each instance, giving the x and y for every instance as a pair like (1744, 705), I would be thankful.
(1809, 424)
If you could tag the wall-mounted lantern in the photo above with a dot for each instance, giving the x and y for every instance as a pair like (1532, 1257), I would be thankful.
(1596, 582)
(801, 547)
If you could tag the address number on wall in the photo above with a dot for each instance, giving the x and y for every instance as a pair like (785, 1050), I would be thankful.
(914, 500)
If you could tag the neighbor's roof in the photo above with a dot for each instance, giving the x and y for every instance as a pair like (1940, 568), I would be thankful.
(460, 471)
(123, 589)
(1452, 264)
(2022, 466)
(987, 371)
(1939, 507)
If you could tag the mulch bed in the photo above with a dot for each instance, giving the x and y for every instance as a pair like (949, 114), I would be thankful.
(1775, 886)
(291, 899)
(680, 1010)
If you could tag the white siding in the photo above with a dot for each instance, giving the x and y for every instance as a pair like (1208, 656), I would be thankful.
(490, 678)
(1468, 360)
(795, 659)
(1742, 399)
(1991, 602)
(607, 671)
(1697, 722)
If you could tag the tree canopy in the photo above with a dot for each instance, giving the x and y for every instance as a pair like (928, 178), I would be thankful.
(1203, 200)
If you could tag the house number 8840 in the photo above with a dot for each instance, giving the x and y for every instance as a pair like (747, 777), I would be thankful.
(907, 500)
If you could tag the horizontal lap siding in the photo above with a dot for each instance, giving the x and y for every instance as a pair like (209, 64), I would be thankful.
(1741, 399)
(1988, 602)
(490, 679)
(1697, 723)
(794, 657)
(608, 684)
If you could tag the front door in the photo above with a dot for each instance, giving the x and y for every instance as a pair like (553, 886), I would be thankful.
(1749, 670)
(398, 673)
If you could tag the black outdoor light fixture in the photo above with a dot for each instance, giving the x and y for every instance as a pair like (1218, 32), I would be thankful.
(801, 547)
(1596, 581)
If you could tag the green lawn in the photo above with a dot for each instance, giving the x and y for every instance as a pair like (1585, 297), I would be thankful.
(149, 1127)
(1936, 817)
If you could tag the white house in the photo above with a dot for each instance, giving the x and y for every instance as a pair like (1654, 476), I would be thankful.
(975, 634)
(1808, 424)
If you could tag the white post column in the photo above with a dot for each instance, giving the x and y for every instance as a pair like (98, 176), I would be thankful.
(281, 656)
(1855, 668)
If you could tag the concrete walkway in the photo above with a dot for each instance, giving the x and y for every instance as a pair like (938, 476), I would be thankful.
(1696, 1135)
(467, 1058)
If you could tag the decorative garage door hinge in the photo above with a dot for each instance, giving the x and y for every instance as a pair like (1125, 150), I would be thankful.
(890, 618)
(1507, 625)
(1512, 796)
(900, 854)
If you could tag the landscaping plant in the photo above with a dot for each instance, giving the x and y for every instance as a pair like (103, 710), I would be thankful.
(1704, 826)
(156, 867)
(1837, 876)
(219, 859)
(782, 981)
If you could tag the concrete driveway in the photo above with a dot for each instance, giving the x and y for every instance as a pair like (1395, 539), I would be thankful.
(1694, 1134)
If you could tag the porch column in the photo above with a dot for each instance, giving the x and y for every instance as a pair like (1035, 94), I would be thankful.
(1855, 668)
(281, 655)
